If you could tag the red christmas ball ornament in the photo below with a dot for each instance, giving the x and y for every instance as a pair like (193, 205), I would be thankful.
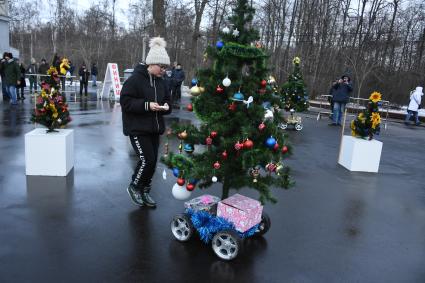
(262, 126)
(180, 181)
(232, 106)
(190, 187)
(208, 140)
(238, 146)
(248, 144)
(217, 165)
(213, 134)
(276, 146)
(284, 149)
(219, 89)
(263, 83)
(224, 155)
(189, 107)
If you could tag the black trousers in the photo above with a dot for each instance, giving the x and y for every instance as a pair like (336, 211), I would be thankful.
(177, 93)
(83, 84)
(146, 148)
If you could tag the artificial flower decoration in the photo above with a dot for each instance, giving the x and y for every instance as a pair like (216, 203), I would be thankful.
(375, 97)
(51, 109)
(368, 122)
(297, 60)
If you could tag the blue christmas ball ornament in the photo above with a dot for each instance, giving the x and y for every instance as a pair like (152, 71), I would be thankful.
(219, 44)
(176, 172)
(270, 142)
(189, 148)
(194, 81)
(238, 96)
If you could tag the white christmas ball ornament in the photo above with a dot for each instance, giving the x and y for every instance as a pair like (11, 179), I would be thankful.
(227, 82)
(180, 192)
(226, 30)
(268, 115)
(214, 179)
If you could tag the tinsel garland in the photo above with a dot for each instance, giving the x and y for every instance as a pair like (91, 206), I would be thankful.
(241, 51)
(208, 225)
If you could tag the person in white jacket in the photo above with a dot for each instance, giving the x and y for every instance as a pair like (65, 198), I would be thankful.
(414, 105)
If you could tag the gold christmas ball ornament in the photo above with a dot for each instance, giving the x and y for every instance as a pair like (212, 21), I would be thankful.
(195, 91)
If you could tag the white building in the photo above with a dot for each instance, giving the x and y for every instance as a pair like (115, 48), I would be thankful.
(4, 30)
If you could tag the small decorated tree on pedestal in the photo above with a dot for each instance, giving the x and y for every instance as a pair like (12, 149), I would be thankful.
(367, 122)
(242, 145)
(51, 109)
(294, 93)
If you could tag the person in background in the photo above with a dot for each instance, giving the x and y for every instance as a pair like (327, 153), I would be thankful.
(84, 78)
(32, 76)
(341, 96)
(64, 67)
(22, 84)
(94, 74)
(144, 101)
(43, 68)
(71, 72)
(3, 61)
(12, 77)
(178, 78)
(414, 106)
(168, 78)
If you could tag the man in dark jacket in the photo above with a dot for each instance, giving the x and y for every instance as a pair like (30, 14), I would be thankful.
(178, 78)
(94, 74)
(3, 62)
(12, 75)
(341, 96)
(84, 78)
(144, 100)
(32, 75)
(43, 68)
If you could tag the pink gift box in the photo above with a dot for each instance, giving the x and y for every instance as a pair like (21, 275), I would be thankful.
(242, 211)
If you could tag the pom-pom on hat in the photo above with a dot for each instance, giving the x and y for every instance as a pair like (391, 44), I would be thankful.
(157, 54)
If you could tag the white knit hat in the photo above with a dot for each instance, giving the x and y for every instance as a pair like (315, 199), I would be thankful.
(157, 54)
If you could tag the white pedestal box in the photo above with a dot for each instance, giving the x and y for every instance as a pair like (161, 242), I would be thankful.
(49, 154)
(360, 155)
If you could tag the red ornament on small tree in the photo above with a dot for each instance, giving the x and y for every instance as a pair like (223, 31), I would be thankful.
(189, 107)
(181, 181)
(213, 134)
(284, 149)
(248, 144)
(190, 187)
(217, 165)
(263, 83)
(219, 89)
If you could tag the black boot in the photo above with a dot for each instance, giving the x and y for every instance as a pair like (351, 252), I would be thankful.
(135, 195)
(147, 199)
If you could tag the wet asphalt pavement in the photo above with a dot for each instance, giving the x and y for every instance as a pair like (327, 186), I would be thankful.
(333, 226)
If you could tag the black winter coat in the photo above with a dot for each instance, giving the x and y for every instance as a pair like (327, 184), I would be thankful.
(342, 92)
(136, 93)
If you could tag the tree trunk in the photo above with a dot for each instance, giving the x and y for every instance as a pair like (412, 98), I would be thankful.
(225, 189)
(158, 11)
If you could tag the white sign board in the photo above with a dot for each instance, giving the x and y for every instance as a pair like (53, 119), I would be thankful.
(112, 79)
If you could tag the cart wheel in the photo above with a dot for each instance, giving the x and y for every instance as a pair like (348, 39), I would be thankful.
(226, 244)
(264, 226)
(283, 126)
(182, 227)
(298, 126)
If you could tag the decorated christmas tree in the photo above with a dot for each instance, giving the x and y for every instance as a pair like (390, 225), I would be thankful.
(294, 92)
(240, 143)
(367, 122)
(51, 109)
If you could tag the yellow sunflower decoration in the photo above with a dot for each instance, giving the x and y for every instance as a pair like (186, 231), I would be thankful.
(375, 97)
(367, 122)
